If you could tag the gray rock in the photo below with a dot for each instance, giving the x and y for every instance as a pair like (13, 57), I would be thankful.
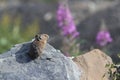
(16, 65)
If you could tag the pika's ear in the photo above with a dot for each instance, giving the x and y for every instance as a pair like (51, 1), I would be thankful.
(37, 37)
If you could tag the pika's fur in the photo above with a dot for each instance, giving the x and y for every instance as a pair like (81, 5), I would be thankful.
(38, 45)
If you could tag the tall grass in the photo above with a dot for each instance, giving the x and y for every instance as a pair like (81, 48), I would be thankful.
(11, 32)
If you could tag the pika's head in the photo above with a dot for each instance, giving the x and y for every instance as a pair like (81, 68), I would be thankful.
(39, 37)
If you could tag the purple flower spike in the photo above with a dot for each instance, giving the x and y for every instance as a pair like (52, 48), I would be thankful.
(65, 21)
(103, 37)
(76, 34)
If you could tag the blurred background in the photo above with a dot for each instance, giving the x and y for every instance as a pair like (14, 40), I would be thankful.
(20, 20)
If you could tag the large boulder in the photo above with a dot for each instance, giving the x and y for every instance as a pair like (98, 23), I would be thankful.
(53, 65)
(93, 65)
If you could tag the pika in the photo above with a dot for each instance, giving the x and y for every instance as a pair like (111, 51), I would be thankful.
(38, 45)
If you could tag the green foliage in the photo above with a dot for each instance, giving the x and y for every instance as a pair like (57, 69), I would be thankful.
(70, 46)
(11, 33)
(113, 71)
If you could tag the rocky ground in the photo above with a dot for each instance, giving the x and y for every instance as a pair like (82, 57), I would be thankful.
(17, 65)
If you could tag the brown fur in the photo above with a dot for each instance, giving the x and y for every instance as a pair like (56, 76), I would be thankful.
(38, 45)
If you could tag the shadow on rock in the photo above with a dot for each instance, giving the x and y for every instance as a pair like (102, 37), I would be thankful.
(22, 54)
